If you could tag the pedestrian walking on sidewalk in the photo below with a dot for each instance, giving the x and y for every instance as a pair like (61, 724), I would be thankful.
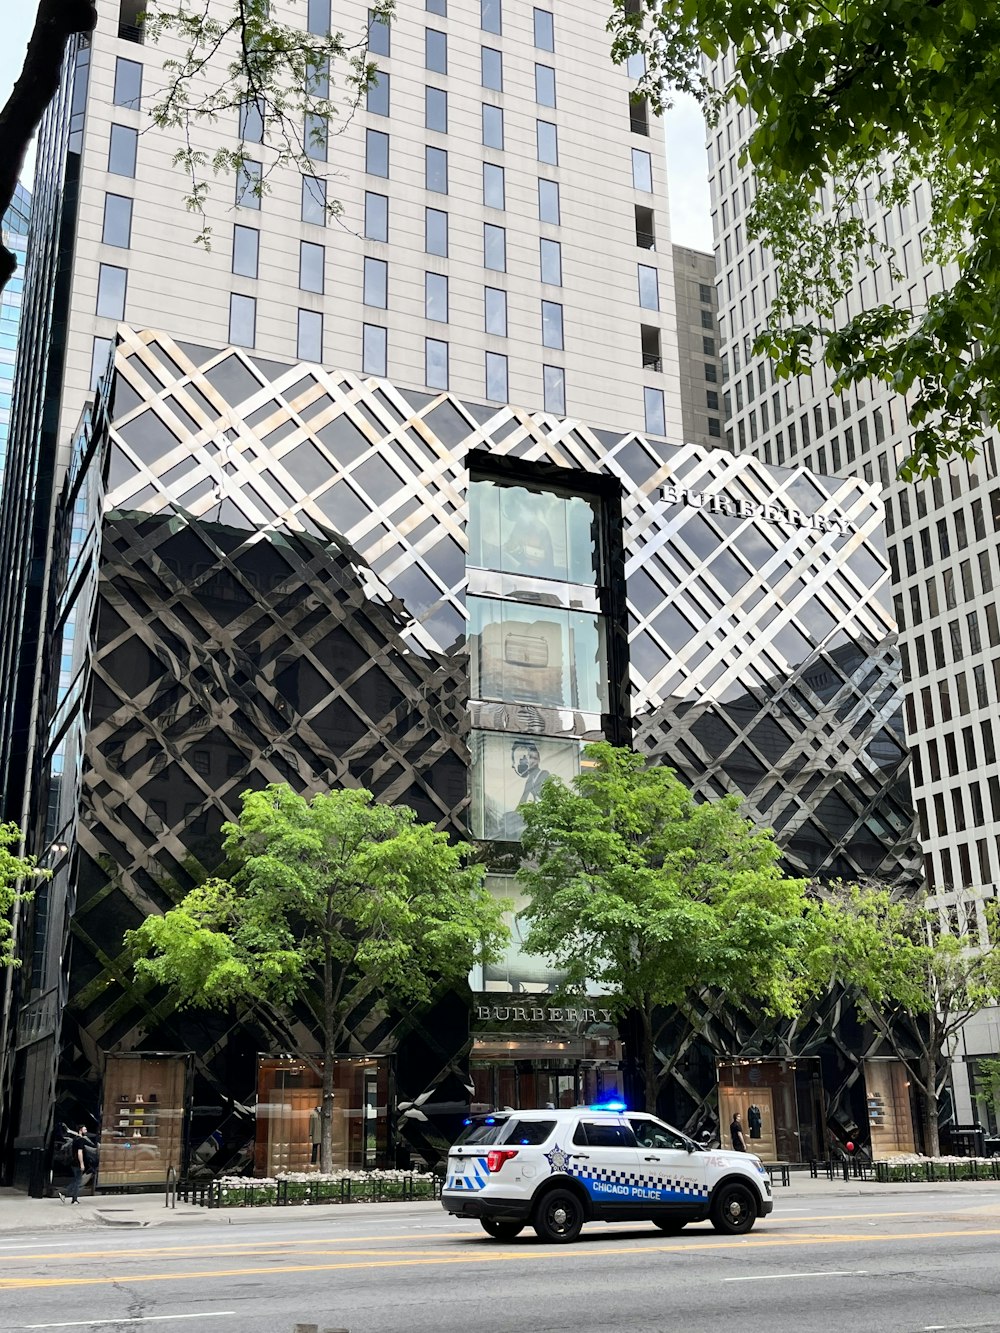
(81, 1149)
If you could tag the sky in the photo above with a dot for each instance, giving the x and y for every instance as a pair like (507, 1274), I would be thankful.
(687, 167)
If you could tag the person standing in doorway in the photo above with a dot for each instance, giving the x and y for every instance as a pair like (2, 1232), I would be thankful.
(316, 1133)
(736, 1133)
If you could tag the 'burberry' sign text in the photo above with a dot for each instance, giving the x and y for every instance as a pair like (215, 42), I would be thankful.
(717, 502)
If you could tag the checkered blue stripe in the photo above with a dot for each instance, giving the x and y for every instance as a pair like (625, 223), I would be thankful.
(676, 1186)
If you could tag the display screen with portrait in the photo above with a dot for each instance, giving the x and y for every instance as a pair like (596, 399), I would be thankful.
(538, 533)
(543, 655)
(508, 772)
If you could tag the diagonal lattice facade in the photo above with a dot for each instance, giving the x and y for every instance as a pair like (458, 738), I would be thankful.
(281, 596)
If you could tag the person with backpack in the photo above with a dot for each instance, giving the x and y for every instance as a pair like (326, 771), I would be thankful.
(83, 1158)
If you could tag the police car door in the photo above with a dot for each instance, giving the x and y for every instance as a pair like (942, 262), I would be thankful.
(677, 1175)
(604, 1157)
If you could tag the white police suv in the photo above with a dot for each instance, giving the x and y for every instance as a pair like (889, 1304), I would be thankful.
(559, 1169)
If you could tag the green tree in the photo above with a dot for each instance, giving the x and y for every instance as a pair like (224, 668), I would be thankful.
(898, 961)
(14, 872)
(860, 99)
(236, 55)
(331, 899)
(637, 887)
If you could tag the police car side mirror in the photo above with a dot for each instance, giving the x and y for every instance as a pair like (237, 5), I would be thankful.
(689, 1145)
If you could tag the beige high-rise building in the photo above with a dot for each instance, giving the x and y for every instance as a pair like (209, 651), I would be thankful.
(698, 349)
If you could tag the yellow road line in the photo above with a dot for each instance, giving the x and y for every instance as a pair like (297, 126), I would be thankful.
(486, 1253)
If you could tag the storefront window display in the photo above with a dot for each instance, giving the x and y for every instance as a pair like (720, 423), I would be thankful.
(508, 772)
(538, 533)
(289, 1100)
(890, 1113)
(543, 655)
(780, 1105)
(143, 1119)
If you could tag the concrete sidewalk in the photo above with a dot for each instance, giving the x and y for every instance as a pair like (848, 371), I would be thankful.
(21, 1215)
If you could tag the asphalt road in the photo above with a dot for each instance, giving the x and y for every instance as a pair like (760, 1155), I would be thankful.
(908, 1262)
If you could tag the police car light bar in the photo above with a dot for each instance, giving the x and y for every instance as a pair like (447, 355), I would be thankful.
(608, 1106)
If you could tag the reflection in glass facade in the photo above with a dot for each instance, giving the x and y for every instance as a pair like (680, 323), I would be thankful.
(15, 239)
(287, 573)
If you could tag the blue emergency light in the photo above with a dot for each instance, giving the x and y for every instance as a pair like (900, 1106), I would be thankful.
(609, 1106)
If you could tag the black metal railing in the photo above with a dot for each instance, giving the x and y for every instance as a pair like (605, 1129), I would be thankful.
(294, 1193)
(646, 240)
(651, 362)
(132, 32)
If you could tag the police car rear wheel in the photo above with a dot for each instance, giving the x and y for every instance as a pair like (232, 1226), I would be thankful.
(558, 1217)
(734, 1209)
(501, 1230)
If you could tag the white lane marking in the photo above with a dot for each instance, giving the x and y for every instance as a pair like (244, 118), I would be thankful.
(957, 1328)
(140, 1319)
(783, 1277)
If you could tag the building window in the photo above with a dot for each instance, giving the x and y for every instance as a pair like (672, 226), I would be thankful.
(122, 149)
(656, 422)
(117, 221)
(436, 110)
(704, 293)
(638, 114)
(492, 63)
(652, 355)
(379, 40)
(246, 250)
(714, 427)
(376, 217)
(130, 20)
(707, 319)
(314, 200)
(645, 228)
(496, 377)
(548, 201)
(242, 320)
(492, 126)
(437, 7)
(376, 153)
(435, 363)
(99, 358)
(642, 170)
(376, 283)
(495, 247)
(545, 85)
(310, 336)
(436, 169)
(496, 311)
(554, 389)
(552, 324)
(711, 373)
(251, 122)
(436, 232)
(712, 399)
(128, 83)
(111, 286)
(708, 347)
(436, 297)
(547, 142)
(249, 185)
(318, 17)
(374, 350)
(649, 292)
(312, 263)
(316, 137)
(544, 32)
(550, 256)
(378, 95)
(435, 51)
(490, 18)
(494, 194)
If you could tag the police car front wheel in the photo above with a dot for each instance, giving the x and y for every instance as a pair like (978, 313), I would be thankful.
(501, 1230)
(558, 1217)
(734, 1208)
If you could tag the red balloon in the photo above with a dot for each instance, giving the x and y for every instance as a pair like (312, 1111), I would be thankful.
(850, 1146)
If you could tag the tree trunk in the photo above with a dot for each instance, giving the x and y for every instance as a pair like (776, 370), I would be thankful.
(928, 1074)
(651, 1084)
(37, 84)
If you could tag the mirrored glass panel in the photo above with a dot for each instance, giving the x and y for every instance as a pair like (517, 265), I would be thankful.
(539, 533)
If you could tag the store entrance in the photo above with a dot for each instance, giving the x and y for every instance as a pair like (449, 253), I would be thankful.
(501, 1079)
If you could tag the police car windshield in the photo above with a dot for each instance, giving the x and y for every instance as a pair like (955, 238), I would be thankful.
(485, 1129)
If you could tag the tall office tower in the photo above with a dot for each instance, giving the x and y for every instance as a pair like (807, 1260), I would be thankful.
(943, 547)
(698, 345)
(500, 193)
(15, 238)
